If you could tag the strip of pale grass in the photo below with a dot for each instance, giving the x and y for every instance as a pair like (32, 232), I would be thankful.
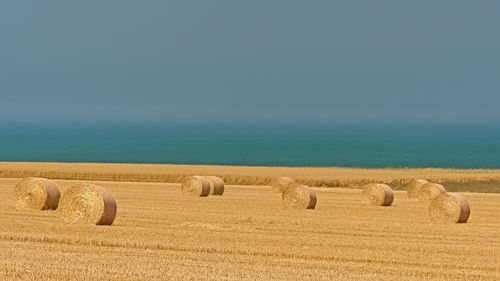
(474, 180)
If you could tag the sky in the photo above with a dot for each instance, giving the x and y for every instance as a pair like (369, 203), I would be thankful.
(250, 61)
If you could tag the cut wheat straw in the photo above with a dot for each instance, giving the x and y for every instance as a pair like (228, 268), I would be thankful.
(429, 191)
(216, 185)
(299, 197)
(279, 184)
(413, 187)
(37, 194)
(449, 208)
(87, 204)
(377, 194)
(197, 186)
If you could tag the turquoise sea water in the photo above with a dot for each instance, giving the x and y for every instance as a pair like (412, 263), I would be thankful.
(464, 146)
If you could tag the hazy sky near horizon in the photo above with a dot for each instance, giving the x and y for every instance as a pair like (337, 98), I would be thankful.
(250, 61)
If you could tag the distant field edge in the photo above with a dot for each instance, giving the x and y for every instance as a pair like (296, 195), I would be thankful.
(471, 180)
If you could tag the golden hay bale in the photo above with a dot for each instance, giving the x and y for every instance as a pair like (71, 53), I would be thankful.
(279, 184)
(87, 203)
(216, 185)
(377, 194)
(195, 186)
(429, 191)
(449, 208)
(299, 197)
(413, 187)
(37, 194)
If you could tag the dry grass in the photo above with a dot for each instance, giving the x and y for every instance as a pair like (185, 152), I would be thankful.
(483, 180)
(248, 235)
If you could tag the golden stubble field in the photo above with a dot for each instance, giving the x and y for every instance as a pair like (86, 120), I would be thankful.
(247, 235)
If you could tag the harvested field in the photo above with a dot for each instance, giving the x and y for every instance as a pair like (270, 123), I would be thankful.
(158, 234)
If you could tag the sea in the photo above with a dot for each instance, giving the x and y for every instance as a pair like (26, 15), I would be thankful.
(312, 145)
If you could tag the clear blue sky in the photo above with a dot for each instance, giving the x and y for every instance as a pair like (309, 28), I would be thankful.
(257, 61)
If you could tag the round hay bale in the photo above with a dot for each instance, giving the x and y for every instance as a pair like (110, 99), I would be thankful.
(36, 194)
(279, 184)
(449, 208)
(216, 185)
(413, 187)
(377, 194)
(197, 186)
(85, 203)
(429, 191)
(299, 196)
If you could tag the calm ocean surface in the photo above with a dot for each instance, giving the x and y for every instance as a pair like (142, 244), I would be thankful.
(465, 146)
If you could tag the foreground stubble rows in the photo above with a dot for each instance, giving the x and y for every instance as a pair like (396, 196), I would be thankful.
(246, 234)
